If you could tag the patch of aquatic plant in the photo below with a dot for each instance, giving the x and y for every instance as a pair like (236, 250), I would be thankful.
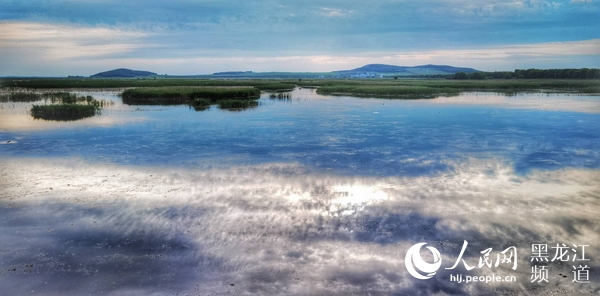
(63, 112)
(97, 83)
(200, 102)
(592, 89)
(200, 108)
(54, 97)
(501, 85)
(450, 85)
(281, 96)
(226, 104)
(387, 91)
(545, 85)
(183, 95)
(25, 97)
(283, 87)
(67, 106)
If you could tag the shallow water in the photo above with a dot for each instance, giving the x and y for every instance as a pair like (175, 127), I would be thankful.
(312, 195)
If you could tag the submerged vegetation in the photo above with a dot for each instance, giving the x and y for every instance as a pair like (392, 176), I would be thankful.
(281, 96)
(67, 106)
(277, 87)
(201, 103)
(226, 104)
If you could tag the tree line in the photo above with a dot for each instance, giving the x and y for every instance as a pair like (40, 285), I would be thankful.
(584, 73)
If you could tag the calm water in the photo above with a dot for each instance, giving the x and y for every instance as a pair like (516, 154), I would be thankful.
(312, 195)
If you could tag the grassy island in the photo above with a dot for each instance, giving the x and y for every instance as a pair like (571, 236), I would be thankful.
(184, 95)
(66, 107)
(387, 91)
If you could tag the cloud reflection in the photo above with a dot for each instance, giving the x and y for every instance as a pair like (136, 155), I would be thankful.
(274, 229)
(535, 101)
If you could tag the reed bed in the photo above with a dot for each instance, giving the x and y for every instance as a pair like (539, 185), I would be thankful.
(63, 112)
(276, 87)
(386, 91)
(184, 95)
(281, 96)
(24, 97)
(501, 85)
(98, 83)
(199, 102)
(67, 106)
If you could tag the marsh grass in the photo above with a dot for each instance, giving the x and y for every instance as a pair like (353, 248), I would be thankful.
(281, 96)
(199, 102)
(63, 112)
(67, 106)
(446, 85)
(184, 95)
(387, 91)
(98, 83)
(24, 97)
(276, 87)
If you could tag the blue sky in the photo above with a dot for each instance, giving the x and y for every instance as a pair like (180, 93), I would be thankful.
(82, 37)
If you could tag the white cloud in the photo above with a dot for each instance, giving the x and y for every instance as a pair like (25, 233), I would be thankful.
(37, 49)
(61, 42)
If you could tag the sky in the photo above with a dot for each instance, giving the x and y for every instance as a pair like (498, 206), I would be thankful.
(185, 37)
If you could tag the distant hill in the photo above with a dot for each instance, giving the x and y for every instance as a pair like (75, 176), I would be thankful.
(391, 69)
(448, 69)
(124, 73)
(380, 68)
(233, 73)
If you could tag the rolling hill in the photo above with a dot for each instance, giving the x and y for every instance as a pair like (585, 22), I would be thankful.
(122, 72)
(406, 70)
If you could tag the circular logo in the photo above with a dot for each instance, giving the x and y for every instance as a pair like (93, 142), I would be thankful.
(416, 266)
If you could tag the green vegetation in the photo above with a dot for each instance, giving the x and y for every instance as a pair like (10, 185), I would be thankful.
(70, 98)
(199, 102)
(389, 88)
(478, 76)
(187, 90)
(61, 83)
(277, 87)
(25, 97)
(67, 106)
(63, 112)
(184, 95)
(387, 91)
(461, 76)
(584, 73)
(280, 96)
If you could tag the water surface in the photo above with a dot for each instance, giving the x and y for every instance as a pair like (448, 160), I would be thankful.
(312, 195)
